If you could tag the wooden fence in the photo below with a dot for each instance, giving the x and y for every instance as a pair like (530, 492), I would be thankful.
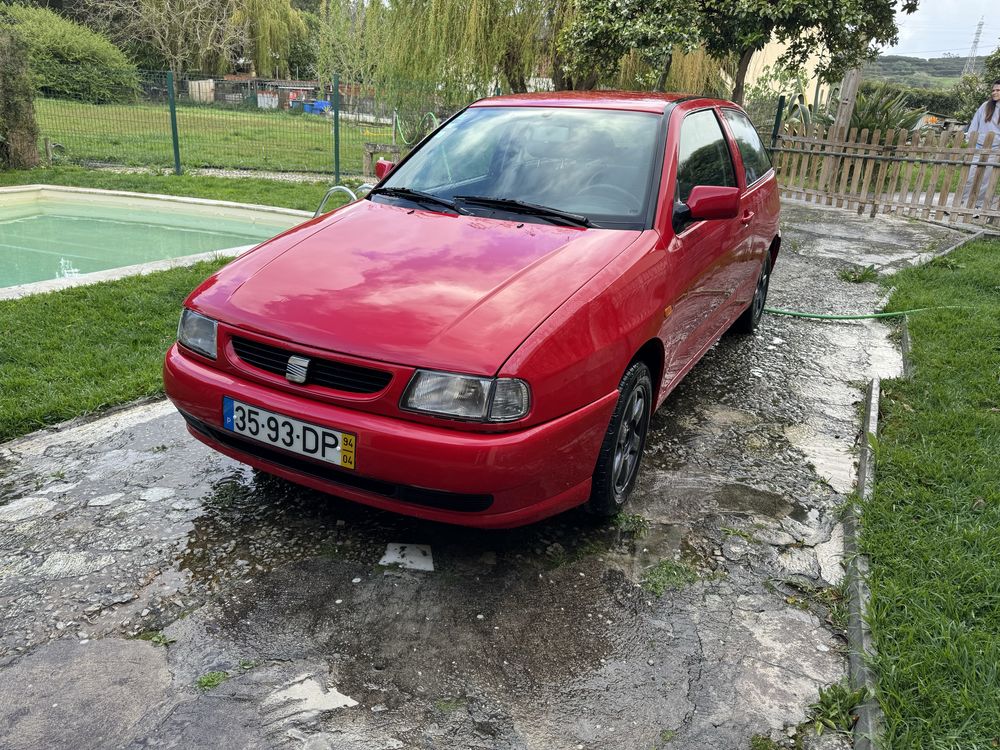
(936, 176)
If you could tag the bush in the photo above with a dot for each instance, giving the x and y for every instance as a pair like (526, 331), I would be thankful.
(971, 93)
(69, 61)
(946, 102)
(883, 108)
(18, 130)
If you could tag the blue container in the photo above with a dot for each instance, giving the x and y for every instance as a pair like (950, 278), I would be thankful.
(321, 105)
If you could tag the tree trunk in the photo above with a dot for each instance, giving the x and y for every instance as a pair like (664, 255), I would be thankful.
(513, 71)
(560, 80)
(741, 74)
(661, 82)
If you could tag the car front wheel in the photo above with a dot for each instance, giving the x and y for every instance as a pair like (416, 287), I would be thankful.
(618, 462)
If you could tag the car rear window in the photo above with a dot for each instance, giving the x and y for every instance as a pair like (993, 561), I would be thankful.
(756, 162)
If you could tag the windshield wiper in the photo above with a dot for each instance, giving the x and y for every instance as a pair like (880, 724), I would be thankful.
(417, 196)
(523, 207)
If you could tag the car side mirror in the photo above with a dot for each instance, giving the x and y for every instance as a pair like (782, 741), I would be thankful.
(383, 167)
(708, 202)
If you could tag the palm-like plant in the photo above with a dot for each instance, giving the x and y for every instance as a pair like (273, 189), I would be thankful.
(881, 109)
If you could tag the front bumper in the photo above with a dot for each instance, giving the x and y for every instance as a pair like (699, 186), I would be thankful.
(487, 480)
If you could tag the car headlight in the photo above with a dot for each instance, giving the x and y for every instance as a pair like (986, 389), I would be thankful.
(197, 333)
(467, 397)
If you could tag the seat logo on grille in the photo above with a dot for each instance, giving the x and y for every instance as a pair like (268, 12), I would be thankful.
(297, 369)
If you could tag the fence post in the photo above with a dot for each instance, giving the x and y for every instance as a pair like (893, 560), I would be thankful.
(336, 128)
(779, 113)
(173, 122)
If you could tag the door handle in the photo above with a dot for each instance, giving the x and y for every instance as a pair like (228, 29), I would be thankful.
(747, 217)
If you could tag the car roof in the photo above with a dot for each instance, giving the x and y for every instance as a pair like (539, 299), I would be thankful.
(640, 101)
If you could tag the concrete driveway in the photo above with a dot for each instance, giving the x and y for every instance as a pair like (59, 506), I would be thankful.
(156, 594)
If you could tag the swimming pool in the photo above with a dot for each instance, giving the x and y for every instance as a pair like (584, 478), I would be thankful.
(66, 236)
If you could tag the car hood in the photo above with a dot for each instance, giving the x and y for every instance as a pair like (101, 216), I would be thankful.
(412, 287)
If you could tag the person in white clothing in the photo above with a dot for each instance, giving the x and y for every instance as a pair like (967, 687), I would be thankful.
(986, 120)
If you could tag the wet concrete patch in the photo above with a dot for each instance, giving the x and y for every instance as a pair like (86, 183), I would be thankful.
(545, 637)
(888, 243)
(97, 695)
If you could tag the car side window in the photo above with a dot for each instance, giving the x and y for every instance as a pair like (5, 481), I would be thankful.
(756, 162)
(703, 157)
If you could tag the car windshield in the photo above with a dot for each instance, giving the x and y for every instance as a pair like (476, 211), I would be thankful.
(594, 166)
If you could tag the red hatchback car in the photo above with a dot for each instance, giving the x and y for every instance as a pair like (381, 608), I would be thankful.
(483, 338)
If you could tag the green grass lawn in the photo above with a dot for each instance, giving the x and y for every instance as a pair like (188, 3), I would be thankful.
(79, 350)
(209, 136)
(304, 196)
(932, 528)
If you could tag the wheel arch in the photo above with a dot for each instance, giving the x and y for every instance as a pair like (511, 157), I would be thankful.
(653, 356)
(774, 248)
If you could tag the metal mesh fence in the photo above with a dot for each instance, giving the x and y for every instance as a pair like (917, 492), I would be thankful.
(332, 128)
(240, 124)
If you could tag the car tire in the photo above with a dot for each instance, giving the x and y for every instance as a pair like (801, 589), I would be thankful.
(621, 452)
(747, 322)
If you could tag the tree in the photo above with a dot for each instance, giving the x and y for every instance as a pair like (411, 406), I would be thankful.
(18, 130)
(991, 66)
(267, 28)
(604, 31)
(186, 34)
(843, 33)
(352, 35)
(205, 35)
(739, 28)
(453, 49)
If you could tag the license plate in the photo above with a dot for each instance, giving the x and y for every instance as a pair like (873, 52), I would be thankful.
(320, 443)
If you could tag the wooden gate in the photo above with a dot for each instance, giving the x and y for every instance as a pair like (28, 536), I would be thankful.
(936, 176)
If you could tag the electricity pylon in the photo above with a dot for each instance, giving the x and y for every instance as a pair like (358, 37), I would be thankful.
(970, 61)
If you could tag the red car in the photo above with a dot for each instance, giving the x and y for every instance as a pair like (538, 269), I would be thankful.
(483, 338)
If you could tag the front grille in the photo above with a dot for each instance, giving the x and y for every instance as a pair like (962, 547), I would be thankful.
(325, 372)
(466, 503)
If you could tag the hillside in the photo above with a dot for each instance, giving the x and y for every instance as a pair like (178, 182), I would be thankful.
(935, 72)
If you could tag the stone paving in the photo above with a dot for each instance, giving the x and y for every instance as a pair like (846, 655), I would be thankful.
(135, 564)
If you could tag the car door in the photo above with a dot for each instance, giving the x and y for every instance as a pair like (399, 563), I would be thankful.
(703, 252)
(755, 207)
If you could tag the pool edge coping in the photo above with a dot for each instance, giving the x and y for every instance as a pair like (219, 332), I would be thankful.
(138, 269)
(40, 187)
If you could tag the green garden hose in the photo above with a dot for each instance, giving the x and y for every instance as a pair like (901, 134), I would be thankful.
(430, 116)
(819, 316)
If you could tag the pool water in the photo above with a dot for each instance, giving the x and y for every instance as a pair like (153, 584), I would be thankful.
(46, 239)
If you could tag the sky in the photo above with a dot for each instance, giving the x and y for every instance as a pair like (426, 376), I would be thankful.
(942, 26)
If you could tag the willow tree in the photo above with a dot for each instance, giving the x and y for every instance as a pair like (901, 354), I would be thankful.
(268, 27)
(352, 39)
(457, 48)
(694, 72)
